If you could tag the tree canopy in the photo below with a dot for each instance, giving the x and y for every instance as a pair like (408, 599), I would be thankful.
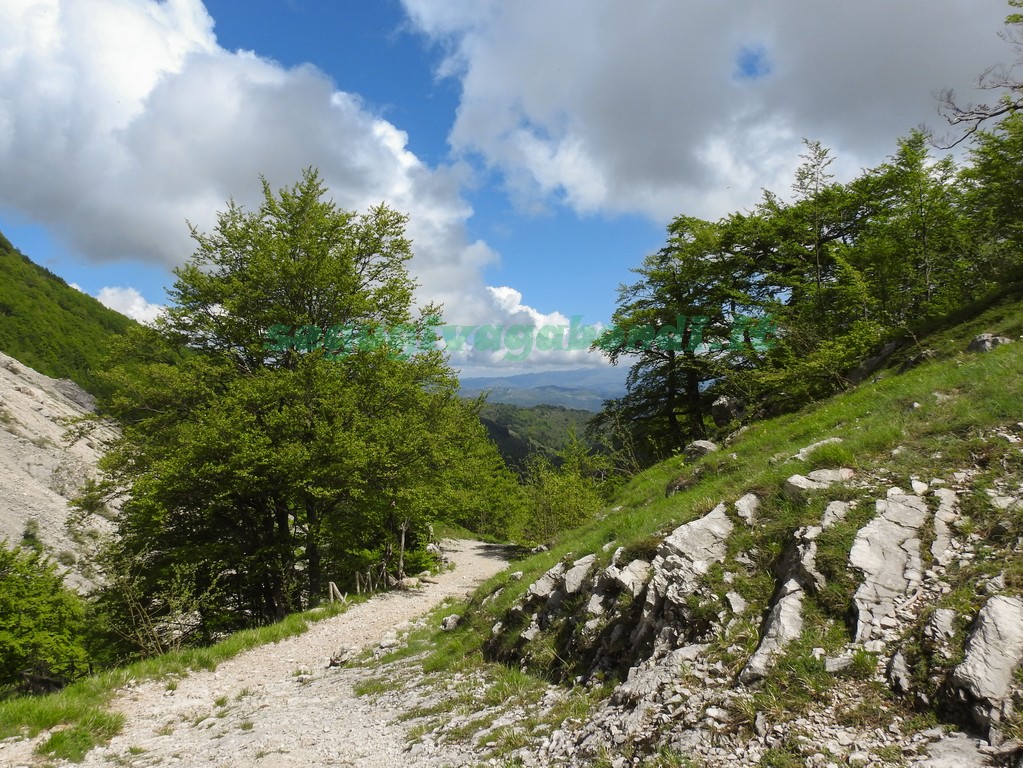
(254, 473)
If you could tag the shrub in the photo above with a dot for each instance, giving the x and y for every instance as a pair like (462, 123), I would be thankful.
(41, 621)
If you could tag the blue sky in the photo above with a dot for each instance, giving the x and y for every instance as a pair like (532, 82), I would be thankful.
(540, 147)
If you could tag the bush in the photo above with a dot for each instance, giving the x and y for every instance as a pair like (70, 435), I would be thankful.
(41, 621)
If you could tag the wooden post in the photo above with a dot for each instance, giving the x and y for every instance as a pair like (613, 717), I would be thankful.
(334, 592)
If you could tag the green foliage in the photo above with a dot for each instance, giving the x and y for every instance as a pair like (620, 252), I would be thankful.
(48, 325)
(257, 473)
(841, 269)
(519, 432)
(41, 622)
(562, 497)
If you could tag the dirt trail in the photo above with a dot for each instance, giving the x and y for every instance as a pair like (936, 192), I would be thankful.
(284, 707)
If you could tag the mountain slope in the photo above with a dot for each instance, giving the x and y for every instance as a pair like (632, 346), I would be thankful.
(830, 586)
(41, 469)
(48, 325)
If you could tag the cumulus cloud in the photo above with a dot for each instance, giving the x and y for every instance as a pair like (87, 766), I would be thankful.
(122, 119)
(130, 302)
(512, 332)
(662, 107)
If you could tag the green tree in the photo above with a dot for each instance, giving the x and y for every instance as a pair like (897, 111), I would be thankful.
(566, 495)
(258, 470)
(681, 324)
(41, 621)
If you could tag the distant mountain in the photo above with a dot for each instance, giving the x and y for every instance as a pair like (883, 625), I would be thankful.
(581, 388)
(48, 325)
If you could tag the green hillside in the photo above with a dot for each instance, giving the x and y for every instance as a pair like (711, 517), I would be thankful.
(520, 431)
(47, 324)
(951, 419)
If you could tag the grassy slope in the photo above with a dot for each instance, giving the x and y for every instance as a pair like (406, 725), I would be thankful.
(48, 325)
(928, 422)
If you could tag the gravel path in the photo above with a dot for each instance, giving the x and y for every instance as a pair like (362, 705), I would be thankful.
(282, 706)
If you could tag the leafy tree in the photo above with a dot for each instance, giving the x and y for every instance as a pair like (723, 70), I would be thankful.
(681, 322)
(563, 496)
(257, 471)
(41, 621)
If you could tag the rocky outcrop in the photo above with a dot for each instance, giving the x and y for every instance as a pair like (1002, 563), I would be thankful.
(682, 559)
(994, 651)
(985, 342)
(667, 626)
(887, 552)
(784, 624)
(698, 449)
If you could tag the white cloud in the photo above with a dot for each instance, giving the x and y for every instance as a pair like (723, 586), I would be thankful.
(509, 333)
(130, 302)
(122, 119)
(625, 107)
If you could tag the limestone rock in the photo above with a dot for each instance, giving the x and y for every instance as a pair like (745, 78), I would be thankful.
(887, 552)
(448, 623)
(575, 578)
(993, 652)
(943, 519)
(747, 508)
(633, 577)
(698, 543)
(698, 449)
(830, 476)
(546, 585)
(985, 342)
(797, 486)
(784, 624)
(835, 512)
(683, 557)
(954, 751)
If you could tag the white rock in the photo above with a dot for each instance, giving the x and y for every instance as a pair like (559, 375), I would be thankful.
(545, 586)
(985, 342)
(829, 476)
(993, 652)
(836, 512)
(633, 577)
(698, 449)
(943, 519)
(887, 551)
(784, 624)
(747, 508)
(575, 578)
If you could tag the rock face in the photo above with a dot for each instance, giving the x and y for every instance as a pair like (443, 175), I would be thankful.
(671, 630)
(40, 470)
(887, 552)
(682, 559)
(994, 651)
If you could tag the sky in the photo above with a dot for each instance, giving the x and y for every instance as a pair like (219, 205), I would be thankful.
(540, 147)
